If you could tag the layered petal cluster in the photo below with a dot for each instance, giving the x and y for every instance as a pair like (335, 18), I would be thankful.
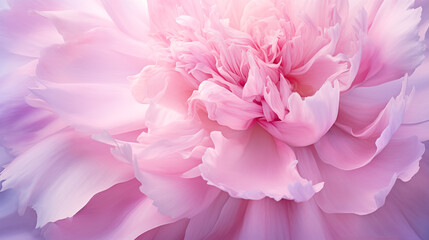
(214, 119)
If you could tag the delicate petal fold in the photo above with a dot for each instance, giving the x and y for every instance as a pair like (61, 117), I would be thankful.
(26, 34)
(221, 220)
(253, 165)
(163, 86)
(21, 126)
(85, 60)
(309, 118)
(417, 111)
(347, 146)
(364, 190)
(120, 212)
(70, 171)
(94, 107)
(385, 59)
(224, 107)
(176, 196)
(213, 119)
(404, 216)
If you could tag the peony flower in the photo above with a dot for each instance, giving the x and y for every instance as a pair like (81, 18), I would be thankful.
(214, 119)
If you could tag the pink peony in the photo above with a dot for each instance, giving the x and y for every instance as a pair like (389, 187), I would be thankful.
(214, 119)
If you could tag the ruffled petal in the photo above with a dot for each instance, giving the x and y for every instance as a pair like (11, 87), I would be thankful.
(70, 171)
(224, 107)
(310, 77)
(364, 190)
(162, 86)
(417, 110)
(21, 126)
(308, 118)
(385, 59)
(176, 196)
(348, 147)
(120, 212)
(404, 216)
(253, 165)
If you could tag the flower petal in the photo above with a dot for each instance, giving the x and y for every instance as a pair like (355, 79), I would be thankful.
(386, 59)
(13, 225)
(417, 111)
(94, 107)
(85, 60)
(175, 196)
(172, 231)
(309, 118)
(120, 212)
(162, 86)
(347, 147)
(131, 17)
(70, 170)
(404, 216)
(363, 190)
(220, 221)
(21, 125)
(253, 165)
(224, 107)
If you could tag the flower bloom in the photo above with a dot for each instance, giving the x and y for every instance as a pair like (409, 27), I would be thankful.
(214, 119)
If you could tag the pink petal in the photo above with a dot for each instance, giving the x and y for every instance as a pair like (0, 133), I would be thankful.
(238, 165)
(120, 212)
(13, 225)
(51, 5)
(224, 107)
(26, 34)
(172, 231)
(268, 219)
(308, 118)
(176, 196)
(173, 8)
(21, 125)
(347, 147)
(163, 86)
(404, 216)
(94, 107)
(265, 219)
(310, 77)
(417, 111)
(386, 59)
(130, 17)
(421, 130)
(72, 23)
(174, 153)
(221, 220)
(363, 190)
(71, 169)
(85, 60)
(78, 76)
